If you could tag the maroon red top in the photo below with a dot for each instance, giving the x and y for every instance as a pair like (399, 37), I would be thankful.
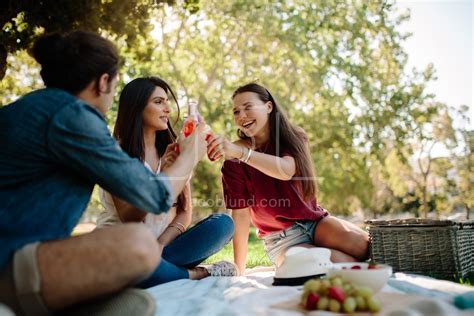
(274, 204)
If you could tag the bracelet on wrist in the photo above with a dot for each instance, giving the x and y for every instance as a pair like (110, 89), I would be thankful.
(181, 225)
(249, 153)
(176, 227)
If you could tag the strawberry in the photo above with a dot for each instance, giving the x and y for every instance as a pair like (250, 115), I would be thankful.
(311, 301)
(372, 266)
(356, 267)
(337, 294)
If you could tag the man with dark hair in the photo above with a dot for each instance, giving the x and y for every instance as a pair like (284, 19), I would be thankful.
(55, 146)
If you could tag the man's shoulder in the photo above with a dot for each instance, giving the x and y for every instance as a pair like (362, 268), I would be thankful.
(65, 106)
(72, 115)
(47, 95)
(56, 100)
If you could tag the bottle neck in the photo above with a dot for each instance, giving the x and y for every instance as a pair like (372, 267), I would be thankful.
(192, 111)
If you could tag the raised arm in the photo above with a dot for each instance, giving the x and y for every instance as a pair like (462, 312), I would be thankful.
(129, 213)
(79, 139)
(282, 168)
(192, 149)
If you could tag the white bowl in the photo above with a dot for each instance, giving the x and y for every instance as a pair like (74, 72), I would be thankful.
(372, 278)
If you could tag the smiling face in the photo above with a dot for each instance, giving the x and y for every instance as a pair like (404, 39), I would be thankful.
(157, 110)
(251, 114)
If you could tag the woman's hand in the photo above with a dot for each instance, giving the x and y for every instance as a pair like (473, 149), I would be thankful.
(169, 156)
(215, 146)
(194, 145)
(218, 146)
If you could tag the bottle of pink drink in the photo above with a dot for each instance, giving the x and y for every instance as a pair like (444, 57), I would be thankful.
(191, 121)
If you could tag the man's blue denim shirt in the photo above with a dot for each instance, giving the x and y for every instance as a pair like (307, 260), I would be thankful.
(53, 149)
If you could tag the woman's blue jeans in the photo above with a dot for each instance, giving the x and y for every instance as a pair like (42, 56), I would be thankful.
(191, 248)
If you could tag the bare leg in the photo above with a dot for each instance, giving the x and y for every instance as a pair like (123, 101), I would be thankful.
(342, 236)
(99, 263)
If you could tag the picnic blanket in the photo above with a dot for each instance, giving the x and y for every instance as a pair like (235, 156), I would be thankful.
(253, 294)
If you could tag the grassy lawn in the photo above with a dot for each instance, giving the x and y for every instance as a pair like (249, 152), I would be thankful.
(256, 255)
(469, 280)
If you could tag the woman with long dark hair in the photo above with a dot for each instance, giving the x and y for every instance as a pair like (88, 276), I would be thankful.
(269, 178)
(143, 130)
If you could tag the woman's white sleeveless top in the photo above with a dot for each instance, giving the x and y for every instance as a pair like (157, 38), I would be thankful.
(157, 223)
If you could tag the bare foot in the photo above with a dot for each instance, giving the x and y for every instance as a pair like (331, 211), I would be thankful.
(198, 273)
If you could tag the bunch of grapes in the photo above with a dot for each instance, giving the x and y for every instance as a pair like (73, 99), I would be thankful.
(337, 295)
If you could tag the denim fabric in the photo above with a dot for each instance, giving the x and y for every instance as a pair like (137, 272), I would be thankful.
(277, 243)
(191, 248)
(53, 149)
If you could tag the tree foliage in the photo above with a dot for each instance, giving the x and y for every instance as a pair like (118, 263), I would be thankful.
(336, 67)
(22, 21)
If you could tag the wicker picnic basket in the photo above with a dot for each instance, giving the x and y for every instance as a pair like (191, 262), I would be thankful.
(438, 248)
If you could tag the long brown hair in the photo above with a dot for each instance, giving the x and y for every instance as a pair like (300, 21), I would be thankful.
(129, 125)
(286, 136)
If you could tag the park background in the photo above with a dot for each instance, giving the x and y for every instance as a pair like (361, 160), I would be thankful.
(387, 138)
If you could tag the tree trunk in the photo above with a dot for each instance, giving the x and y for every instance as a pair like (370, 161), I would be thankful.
(425, 203)
(3, 61)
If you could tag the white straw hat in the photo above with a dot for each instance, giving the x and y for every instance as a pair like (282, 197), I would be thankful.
(301, 264)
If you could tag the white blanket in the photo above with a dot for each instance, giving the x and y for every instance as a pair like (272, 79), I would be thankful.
(254, 295)
(249, 295)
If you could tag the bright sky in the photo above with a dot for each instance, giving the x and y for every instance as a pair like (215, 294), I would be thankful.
(443, 34)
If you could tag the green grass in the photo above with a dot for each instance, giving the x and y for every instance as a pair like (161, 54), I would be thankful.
(256, 255)
(467, 281)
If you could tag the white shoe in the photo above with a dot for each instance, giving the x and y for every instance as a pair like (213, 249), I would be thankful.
(223, 269)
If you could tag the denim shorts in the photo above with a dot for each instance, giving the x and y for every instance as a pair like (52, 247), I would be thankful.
(277, 243)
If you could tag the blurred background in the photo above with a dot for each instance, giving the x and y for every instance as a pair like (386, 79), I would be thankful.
(383, 89)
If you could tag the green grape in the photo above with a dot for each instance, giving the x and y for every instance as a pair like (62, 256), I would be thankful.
(325, 284)
(361, 304)
(349, 305)
(373, 304)
(334, 305)
(348, 289)
(364, 292)
(336, 281)
(312, 286)
(323, 303)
